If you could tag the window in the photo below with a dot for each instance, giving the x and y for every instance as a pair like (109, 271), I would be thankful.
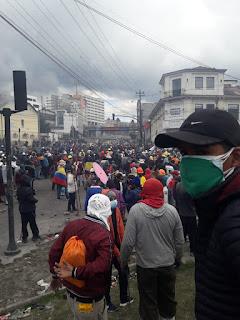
(198, 82)
(234, 110)
(176, 87)
(210, 106)
(210, 82)
(198, 107)
(22, 123)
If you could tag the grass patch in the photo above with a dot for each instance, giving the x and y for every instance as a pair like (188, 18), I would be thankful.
(184, 295)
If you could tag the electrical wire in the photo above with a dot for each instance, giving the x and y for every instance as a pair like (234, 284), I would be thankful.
(112, 54)
(59, 49)
(51, 56)
(92, 43)
(74, 45)
(148, 38)
(112, 48)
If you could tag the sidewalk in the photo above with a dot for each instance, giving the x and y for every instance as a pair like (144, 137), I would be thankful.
(50, 218)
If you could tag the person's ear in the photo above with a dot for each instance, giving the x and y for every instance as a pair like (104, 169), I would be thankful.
(235, 157)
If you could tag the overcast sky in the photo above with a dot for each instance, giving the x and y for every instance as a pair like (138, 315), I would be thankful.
(206, 30)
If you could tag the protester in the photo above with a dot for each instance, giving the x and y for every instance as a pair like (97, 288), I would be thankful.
(209, 142)
(132, 196)
(60, 179)
(155, 230)
(142, 178)
(93, 189)
(187, 212)
(71, 189)
(120, 200)
(87, 302)
(117, 232)
(27, 208)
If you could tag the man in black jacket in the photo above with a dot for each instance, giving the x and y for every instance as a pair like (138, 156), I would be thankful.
(210, 144)
(27, 208)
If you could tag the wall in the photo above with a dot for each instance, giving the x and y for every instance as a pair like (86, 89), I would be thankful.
(188, 83)
(27, 121)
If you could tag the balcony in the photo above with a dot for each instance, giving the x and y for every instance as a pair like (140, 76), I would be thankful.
(174, 93)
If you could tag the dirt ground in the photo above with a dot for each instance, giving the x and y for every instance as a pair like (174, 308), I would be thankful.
(55, 307)
(19, 279)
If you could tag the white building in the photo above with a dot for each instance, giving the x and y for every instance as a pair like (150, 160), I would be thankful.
(187, 90)
(94, 111)
(35, 102)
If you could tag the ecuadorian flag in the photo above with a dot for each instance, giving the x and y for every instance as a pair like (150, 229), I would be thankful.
(60, 177)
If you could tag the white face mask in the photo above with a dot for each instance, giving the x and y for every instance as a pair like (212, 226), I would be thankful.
(218, 161)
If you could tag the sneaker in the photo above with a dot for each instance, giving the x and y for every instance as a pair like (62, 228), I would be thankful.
(36, 238)
(124, 303)
(24, 240)
(111, 307)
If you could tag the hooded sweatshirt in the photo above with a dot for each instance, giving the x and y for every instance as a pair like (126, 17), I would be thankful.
(156, 233)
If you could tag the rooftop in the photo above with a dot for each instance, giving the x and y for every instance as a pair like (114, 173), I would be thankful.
(197, 69)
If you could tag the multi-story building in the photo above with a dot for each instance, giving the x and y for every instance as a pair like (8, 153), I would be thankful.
(24, 125)
(70, 114)
(94, 111)
(34, 102)
(187, 90)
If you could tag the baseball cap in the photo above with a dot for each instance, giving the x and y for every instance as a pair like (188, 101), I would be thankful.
(203, 127)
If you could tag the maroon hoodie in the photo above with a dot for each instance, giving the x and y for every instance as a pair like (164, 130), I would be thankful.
(97, 240)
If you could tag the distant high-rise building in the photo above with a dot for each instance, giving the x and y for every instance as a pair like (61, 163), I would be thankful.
(94, 110)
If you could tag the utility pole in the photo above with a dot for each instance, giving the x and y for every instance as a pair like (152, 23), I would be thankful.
(140, 94)
(20, 97)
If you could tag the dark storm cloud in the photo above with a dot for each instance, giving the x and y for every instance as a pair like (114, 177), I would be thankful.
(202, 29)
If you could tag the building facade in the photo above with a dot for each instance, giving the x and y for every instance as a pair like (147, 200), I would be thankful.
(24, 125)
(95, 114)
(185, 91)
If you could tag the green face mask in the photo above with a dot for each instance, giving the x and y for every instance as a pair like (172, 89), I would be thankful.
(199, 175)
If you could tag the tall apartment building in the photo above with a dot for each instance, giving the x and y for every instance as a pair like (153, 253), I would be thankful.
(94, 111)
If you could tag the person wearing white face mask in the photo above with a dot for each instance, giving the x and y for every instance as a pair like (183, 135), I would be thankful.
(117, 232)
(210, 169)
(87, 302)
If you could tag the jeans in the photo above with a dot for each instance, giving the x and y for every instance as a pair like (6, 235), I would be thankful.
(38, 172)
(29, 217)
(59, 189)
(156, 288)
(123, 282)
(71, 201)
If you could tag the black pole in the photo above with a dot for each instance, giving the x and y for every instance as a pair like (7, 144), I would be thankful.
(12, 248)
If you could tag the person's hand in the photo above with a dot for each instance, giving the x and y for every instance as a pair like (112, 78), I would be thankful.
(56, 284)
(64, 271)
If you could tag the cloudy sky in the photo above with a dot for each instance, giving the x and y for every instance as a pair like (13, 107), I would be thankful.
(107, 59)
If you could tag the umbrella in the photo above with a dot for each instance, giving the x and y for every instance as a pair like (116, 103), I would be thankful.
(100, 173)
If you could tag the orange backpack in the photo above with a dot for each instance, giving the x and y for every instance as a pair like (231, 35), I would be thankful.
(74, 253)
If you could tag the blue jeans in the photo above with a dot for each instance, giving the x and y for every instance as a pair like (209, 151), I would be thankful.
(59, 189)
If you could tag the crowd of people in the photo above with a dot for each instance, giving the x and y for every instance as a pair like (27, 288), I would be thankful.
(186, 188)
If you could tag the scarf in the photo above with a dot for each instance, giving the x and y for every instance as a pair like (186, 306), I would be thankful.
(152, 193)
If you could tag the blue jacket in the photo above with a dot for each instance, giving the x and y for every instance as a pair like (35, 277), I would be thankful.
(90, 192)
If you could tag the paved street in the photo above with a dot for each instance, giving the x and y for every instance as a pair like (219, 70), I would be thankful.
(50, 217)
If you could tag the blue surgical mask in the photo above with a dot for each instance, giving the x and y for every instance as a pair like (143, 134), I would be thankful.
(114, 204)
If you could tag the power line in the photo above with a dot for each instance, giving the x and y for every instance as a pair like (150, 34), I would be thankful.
(148, 38)
(93, 44)
(75, 46)
(113, 53)
(112, 48)
(51, 56)
(60, 50)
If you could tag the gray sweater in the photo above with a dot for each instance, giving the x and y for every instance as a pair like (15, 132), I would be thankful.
(157, 235)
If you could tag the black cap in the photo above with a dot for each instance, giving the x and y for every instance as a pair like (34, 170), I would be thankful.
(203, 127)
